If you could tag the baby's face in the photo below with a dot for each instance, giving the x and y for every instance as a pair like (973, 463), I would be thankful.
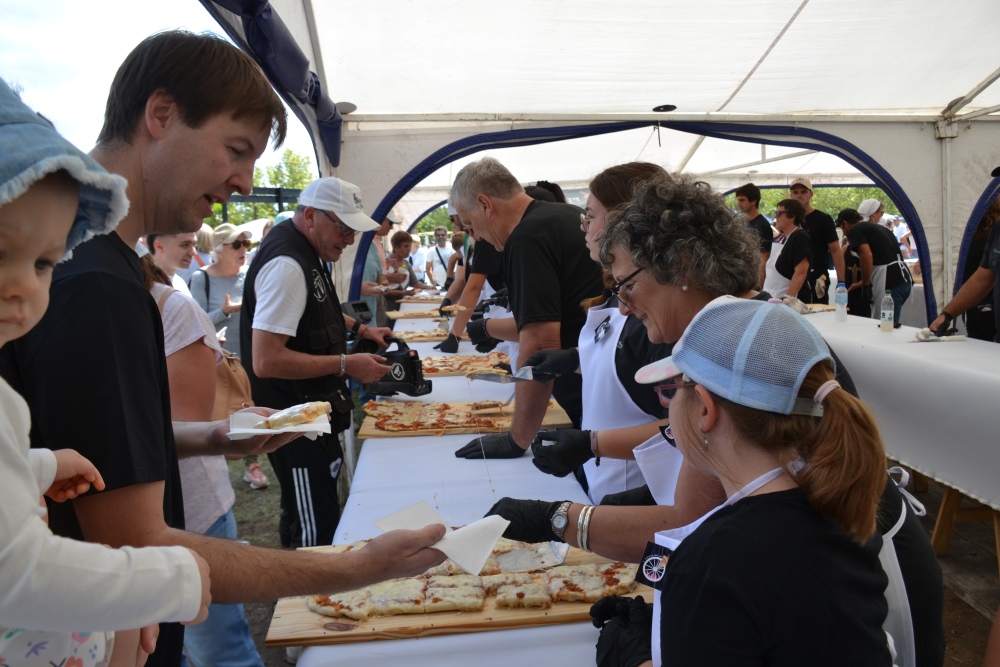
(33, 232)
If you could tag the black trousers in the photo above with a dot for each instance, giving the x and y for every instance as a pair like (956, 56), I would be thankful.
(307, 471)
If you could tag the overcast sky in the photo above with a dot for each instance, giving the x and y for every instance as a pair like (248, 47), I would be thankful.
(64, 54)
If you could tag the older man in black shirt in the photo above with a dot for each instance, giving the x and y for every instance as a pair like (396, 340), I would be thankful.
(548, 272)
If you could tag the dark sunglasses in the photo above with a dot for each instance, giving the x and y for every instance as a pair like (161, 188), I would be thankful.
(240, 244)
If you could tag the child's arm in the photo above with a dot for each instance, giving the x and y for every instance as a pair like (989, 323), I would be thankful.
(74, 476)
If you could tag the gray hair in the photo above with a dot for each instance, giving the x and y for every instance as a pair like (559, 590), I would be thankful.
(682, 232)
(483, 177)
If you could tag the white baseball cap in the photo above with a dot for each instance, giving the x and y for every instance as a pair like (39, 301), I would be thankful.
(339, 197)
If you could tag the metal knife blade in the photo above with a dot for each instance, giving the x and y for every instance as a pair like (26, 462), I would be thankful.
(501, 378)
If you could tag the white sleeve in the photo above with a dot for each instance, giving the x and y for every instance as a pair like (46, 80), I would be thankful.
(57, 584)
(280, 289)
(43, 467)
(184, 322)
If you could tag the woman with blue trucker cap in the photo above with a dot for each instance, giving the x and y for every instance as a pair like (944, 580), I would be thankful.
(784, 572)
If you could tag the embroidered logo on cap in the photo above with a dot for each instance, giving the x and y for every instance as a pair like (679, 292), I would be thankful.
(357, 201)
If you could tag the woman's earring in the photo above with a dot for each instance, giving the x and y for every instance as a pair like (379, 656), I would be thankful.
(704, 442)
(684, 288)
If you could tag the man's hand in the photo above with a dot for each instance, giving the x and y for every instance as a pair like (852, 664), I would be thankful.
(444, 302)
(491, 446)
(366, 367)
(626, 626)
(404, 553)
(547, 364)
(866, 294)
(369, 288)
(530, 520)
(500, 298)
(206, 590)
(377, 334)
(477, 331)
(942, 325)
(74, 476)
(560, 452)
(218, 437)
(449, 344)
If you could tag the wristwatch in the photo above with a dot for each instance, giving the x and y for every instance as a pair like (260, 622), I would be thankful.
(356, 327)
(560, 519)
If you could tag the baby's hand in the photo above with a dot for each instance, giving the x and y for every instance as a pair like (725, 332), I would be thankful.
(74, 476)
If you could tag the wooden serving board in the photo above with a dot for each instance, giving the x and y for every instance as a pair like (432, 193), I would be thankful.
(555, 417)
(415, 314)
(293, 624)
(821, 307)
(430, 336)
(427, 298)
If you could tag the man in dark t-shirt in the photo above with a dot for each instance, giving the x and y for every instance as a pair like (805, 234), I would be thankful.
(882, 267)
(747, 200)
(986, 277)
(548, 271)
(825, 242)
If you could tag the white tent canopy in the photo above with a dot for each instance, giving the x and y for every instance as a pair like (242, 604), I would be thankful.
(899, 93)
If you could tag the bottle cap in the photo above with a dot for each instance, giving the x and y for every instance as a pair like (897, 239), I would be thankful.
(841, 284)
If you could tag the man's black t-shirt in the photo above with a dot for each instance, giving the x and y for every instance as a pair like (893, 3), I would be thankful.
(797, 247)
(768, 580)
(991, 261)
(488, 261)
(822, 232)
(549, 272)
(94, 374)
(883, 246)
(763, 228)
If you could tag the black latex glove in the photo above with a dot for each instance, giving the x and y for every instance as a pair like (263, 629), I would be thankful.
(445, 302)
(493, 445)
(866, 294)
(632, 497)
(487, 346)
(626, 631)
(530, 520)
(477, 331)
(449, 344)
(505, 368)
(500, 298)
(562, 451)
(946, 328)
(549, 363)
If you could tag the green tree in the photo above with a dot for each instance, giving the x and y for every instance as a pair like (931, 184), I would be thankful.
(437, 218)
(294, 171)
(828, 200)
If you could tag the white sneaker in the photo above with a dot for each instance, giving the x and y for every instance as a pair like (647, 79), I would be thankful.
(292, 654)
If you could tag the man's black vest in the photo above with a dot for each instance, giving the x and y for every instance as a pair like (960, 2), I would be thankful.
(321, 330)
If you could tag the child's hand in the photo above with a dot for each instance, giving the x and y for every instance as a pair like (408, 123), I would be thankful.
(74, 476)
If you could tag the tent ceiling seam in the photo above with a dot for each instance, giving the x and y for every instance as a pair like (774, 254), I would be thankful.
(766, 53)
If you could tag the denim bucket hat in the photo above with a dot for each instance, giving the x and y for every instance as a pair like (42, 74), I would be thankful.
(30, 149)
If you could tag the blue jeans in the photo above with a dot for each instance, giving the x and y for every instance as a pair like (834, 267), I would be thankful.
(900, 293)
(223, 640)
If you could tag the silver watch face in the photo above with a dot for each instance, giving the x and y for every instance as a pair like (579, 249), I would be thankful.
(559, 522)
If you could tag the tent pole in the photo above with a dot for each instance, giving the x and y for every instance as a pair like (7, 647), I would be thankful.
(690, 153)
(946, 272)
(757, 162)
(957, 105)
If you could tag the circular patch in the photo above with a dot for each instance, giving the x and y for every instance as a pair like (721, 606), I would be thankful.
(397, 372)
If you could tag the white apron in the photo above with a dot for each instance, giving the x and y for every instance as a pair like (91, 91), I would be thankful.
(672, 539)
(775, 284)
(496, 312)
(606, 404)
(660, 463)
(878, 285)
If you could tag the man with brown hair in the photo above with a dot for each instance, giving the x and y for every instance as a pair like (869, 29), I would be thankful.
(187, 117)
(825, 242)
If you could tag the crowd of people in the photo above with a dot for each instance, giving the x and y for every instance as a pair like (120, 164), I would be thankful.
(750, 467)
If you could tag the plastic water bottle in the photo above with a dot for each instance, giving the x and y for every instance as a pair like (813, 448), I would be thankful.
(840, 300)
(887, 311)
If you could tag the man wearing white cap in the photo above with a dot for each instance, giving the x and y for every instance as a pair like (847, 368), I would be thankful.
(294, 341)
(825, 242)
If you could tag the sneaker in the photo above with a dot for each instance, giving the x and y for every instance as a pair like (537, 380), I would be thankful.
(255, 476)
(292, 654)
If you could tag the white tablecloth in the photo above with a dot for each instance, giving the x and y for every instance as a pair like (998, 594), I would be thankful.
(935, 402)
(395, 472)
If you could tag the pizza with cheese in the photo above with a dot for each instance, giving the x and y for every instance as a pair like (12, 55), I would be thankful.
(295, 415)
(403, 416)
(453, 308)
(428, 336)
(464, 364)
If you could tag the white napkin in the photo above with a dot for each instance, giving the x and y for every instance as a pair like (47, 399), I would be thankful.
(241, 427)
(469, 546)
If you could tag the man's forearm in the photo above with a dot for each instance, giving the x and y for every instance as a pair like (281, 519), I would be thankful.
(972, 292)
(530, 404)
(838, 261)
(502, 328)
(470, 297)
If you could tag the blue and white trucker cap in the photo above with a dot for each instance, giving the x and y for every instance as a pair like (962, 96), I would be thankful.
(752, 353)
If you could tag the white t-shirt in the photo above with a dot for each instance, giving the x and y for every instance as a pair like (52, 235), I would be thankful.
(205, 479)
(419, 262)
(181, 286)
(440, 269)
(280, 289)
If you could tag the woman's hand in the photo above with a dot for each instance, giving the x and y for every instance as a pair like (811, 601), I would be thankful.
(74, 476)
(228, 307)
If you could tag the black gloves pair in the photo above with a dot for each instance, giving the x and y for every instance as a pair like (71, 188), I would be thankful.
(449, 344)
(547, 364)
(562, 451)
(477, 334)
(530, 520)
(626, 626)
(491, 446)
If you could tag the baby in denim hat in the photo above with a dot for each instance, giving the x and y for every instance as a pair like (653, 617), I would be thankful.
(68, 594)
